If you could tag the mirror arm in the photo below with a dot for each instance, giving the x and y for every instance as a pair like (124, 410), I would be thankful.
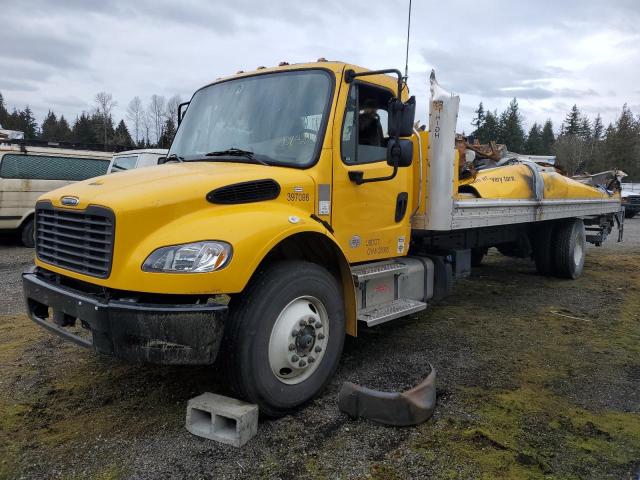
(350, 75)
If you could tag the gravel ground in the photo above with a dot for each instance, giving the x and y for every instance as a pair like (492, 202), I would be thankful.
(537, 378)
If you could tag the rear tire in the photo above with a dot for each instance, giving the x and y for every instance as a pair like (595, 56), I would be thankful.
(27, 234)
(266, 350)
(629, 214)
(570, 248)
(543, 249)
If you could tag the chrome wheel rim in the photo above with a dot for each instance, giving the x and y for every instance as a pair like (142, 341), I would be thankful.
(577, 253)
(298, 340)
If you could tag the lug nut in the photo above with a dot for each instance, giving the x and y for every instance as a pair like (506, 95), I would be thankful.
(302, 323)
(311, 359)
(318, 325)
(295, 358)
(294, 333)
(302, 364)
(318, 349)
(292, 347)
(320, 336)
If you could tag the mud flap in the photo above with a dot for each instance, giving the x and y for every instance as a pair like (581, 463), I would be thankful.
(399, 409)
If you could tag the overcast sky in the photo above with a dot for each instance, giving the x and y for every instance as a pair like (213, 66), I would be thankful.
(549, 54)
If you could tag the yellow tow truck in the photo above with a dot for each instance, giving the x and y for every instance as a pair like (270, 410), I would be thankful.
(295, 204)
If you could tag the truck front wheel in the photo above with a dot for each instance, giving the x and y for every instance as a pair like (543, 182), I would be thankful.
(570, 248)
(284, 336)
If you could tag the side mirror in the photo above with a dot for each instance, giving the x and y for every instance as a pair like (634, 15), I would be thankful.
(162, 160)
(401, 117)
(399, 152)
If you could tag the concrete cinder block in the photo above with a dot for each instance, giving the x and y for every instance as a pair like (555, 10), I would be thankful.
(223, 419)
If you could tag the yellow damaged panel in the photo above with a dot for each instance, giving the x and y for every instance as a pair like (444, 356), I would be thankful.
(557, 186)
(511, 181)
(166, 205)
(516, 182)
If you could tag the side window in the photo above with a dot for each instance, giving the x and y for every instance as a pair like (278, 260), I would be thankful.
(46, 167)
(124, 163)
(350, 128)
(364, 130)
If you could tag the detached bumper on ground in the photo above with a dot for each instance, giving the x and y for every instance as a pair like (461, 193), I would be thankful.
(399, 409)
(183, 334)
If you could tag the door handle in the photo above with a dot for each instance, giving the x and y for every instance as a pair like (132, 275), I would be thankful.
(401, 205)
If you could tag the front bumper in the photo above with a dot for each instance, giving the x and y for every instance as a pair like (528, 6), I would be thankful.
(182, 334)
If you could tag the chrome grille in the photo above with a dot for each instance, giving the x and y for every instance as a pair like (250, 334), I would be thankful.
(77, 240)
(634, 199)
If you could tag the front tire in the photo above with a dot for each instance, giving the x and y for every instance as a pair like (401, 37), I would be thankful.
(284, 336)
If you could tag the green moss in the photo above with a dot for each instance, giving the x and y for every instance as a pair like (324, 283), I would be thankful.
(112, 472)
(385, 472)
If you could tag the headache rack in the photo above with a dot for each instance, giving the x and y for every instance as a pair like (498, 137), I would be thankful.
(76, 240)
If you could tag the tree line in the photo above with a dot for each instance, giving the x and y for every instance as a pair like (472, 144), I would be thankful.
(583, 144)
(150, 125)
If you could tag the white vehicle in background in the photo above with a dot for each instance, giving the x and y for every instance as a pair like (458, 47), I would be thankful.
(630, 198)
(30, 168)
(145, 157)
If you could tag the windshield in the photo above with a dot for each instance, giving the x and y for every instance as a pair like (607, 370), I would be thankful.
(279, 117)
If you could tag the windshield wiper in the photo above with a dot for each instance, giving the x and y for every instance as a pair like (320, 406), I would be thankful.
(236, 152)
(173, 156)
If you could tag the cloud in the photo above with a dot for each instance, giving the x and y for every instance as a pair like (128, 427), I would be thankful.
(42, 45)
(25, 86)
(549, 54)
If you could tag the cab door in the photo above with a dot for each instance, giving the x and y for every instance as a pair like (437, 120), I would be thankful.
(371, 221)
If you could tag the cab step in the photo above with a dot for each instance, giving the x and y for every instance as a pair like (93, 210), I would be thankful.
(389, 311)
(369, 271)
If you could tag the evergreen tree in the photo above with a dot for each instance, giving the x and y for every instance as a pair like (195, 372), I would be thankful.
(572, 123)
(533, 145)
(510, 128)
(623, 144)
(478, 120)
(30, 123)
(489, 129)
(121, 136)
(168, 132)
(547, 137)
(4, 114)
(597, 128)
(102, 128)
(83, 130)
(63, 131)
(49, 128)
(585, 129)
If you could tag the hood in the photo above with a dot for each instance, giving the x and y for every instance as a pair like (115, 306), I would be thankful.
(171, 186)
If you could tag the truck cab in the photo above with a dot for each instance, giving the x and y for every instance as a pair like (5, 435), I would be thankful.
(294, 204)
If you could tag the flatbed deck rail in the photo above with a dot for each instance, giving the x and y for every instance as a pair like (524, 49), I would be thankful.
(473, 213)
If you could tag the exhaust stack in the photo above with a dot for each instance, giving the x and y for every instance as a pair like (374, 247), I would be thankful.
(441, 161)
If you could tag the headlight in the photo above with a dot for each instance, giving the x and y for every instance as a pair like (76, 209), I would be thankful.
(195, 257)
